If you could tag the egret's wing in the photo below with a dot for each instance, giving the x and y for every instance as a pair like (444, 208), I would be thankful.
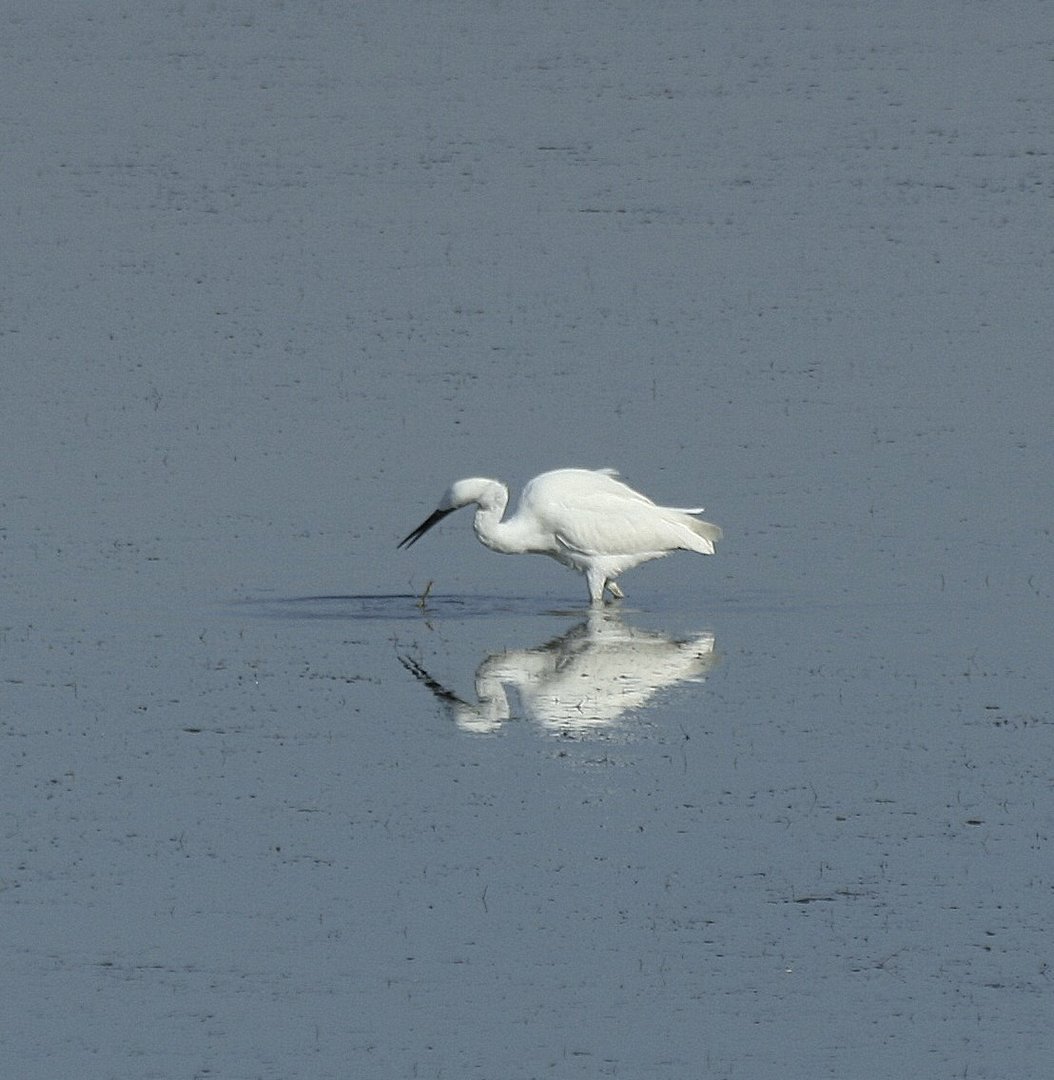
(600, 522)
(592, 513)
(618, 530)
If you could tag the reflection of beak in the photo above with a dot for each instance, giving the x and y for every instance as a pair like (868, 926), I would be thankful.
(421, 529)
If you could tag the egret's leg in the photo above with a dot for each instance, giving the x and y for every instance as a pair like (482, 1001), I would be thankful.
(615, 591)
(595, 580)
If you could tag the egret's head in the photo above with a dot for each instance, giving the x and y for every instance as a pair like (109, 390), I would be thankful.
(486, 494)
(476, 489)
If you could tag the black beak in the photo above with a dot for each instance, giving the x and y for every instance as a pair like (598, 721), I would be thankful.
(421, 529)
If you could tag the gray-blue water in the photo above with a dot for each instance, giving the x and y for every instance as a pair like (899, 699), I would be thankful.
(272, 277)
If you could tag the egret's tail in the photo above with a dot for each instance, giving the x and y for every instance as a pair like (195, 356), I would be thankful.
(705, 534)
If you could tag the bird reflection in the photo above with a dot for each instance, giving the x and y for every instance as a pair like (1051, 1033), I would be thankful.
(582, 681)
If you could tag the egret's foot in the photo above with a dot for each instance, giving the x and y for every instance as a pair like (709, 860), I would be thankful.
(616, 592)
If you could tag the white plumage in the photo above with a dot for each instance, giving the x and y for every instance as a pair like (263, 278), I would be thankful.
(586, 519)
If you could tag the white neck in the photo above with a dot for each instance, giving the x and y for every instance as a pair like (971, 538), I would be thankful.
(511, 537)
(498, 535)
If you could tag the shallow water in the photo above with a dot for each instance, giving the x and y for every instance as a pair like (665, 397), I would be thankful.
(273, 278)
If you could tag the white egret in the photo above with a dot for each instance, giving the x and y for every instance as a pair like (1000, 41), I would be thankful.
(586, 519)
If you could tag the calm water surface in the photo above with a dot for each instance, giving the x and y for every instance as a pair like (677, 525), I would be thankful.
(273, 280)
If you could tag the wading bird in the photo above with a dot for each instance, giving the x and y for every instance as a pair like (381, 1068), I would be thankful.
(587, 520)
